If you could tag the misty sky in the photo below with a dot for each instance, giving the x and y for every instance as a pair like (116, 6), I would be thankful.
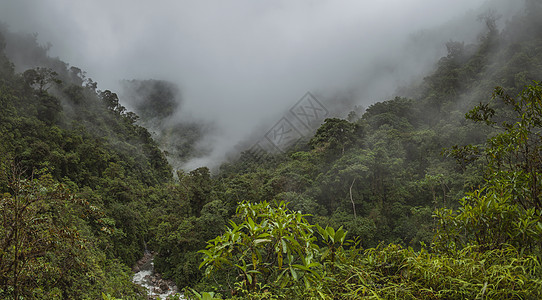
(242, 63)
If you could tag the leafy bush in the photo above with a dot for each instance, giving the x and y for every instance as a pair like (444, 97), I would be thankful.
(272, 247)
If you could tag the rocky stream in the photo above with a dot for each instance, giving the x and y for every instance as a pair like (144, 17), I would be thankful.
(145, 275)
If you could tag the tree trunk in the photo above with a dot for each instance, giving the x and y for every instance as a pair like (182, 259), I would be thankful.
(351, 199)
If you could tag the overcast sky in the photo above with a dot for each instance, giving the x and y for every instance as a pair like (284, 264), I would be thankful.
(242, 63)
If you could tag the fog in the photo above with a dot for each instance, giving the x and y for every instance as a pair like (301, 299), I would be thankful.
(240, 65)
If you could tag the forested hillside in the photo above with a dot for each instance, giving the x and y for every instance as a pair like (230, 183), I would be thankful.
(74, 171)
(434, 196)
(449, 193)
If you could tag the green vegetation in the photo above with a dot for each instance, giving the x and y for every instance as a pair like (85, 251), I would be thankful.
(73, 169)
(272, 248)
(410, 200)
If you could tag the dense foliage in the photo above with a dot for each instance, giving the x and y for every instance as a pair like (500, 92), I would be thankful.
(463, 222)
(74, 167)
(409, 200)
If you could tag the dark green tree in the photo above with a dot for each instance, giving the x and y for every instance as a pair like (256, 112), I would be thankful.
(335, 136)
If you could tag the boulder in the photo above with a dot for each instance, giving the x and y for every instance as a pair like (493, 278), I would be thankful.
(163, 285)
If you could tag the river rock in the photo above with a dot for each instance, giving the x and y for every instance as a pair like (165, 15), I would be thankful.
(151, 280)
(158, 290)
(163, 286)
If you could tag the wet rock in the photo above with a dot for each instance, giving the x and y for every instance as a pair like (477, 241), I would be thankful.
(145, 259)
(151, 280)
(163, 286)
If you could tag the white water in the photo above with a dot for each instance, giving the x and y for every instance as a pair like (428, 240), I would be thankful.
(144, 278)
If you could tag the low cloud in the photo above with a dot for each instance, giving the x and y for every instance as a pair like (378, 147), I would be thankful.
(240, 65)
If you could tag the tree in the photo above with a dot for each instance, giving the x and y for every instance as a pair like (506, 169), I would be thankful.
(33, 227)
(197, 185)
(41, 78)
(515, 154)
(335, 135)
(271, 246)
(490, 19)
(508, 209)
(112, 101)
